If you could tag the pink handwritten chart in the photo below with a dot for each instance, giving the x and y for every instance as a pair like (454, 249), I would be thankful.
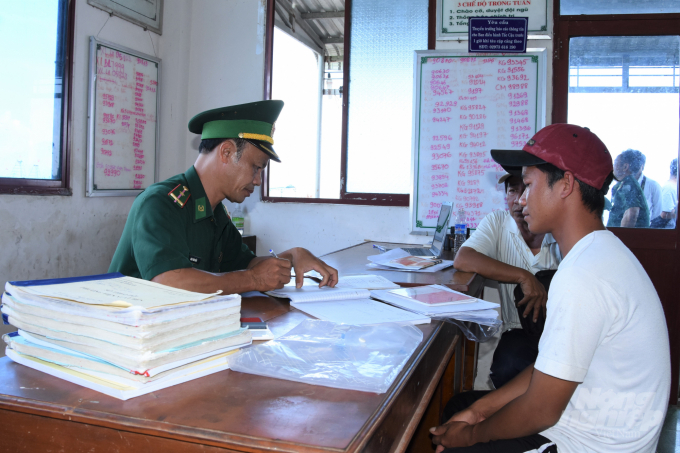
(123, 126)
(466, 105)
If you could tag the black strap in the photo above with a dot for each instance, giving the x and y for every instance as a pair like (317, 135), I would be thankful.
(534, 329)
(644, 180)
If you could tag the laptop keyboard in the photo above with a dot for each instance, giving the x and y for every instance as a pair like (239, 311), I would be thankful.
(418, 251)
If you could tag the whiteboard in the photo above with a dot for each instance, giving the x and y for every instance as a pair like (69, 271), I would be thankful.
(123, 134)
(464, 106)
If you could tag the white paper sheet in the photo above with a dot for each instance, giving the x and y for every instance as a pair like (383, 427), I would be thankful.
(366, 281)
(360, 312)
(437, 267)
(315, 294)
(116, 292)
(388, 258)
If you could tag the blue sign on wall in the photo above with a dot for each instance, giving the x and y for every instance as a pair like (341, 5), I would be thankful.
(498, 34)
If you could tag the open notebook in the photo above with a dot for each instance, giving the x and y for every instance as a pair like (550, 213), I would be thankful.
(434, 295)
(346, 306)
(432, 310)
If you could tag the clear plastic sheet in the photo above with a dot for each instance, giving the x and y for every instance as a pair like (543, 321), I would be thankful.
(364, 358)
(475, 327)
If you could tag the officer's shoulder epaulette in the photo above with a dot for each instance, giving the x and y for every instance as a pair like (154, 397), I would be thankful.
(180, 195)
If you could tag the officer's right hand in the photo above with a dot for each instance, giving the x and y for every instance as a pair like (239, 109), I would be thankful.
(271, 273)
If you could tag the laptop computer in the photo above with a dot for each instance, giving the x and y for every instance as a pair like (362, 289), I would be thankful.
(440, 233)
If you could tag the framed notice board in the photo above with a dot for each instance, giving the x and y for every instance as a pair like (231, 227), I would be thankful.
(464, 105)
(123, 133)
(148, 14)
(453, 15)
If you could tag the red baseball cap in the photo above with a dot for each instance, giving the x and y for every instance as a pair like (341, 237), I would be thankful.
(566, 146)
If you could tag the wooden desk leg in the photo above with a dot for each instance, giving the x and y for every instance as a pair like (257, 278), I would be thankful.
(470, 366)
(460, 366)
(421, 441)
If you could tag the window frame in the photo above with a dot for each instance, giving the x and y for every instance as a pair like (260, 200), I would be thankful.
(21, 186)
(355, 198)
(656, 249)
(566, 27)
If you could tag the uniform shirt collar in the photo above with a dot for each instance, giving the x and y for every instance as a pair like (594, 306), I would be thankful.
(200, 204)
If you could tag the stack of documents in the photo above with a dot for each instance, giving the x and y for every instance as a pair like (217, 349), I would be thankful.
(120, 335)
(400, 260)
(436, 301)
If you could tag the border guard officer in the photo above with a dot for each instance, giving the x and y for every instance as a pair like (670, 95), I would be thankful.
(178, 232)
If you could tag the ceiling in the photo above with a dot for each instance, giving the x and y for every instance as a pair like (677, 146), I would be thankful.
(320, 24)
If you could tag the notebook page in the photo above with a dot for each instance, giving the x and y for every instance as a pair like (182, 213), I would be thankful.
(314, 293)
(366, 281)
(320, 296)
(360, 312)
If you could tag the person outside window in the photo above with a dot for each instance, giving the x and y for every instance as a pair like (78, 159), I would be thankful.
(629, 206)
(651, 189)
(669, 197)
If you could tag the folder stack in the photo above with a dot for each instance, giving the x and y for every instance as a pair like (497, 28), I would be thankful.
(120, 335)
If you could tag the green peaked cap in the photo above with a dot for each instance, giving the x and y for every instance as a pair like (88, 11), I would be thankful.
(253, 122)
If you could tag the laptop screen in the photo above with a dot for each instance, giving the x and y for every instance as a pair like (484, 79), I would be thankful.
(442, 225)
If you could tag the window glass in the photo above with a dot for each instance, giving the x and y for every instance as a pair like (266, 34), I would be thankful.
(296, 80)
(31, 88)
(384, 35)
(331, 132)
(625, 89)
(577, 7)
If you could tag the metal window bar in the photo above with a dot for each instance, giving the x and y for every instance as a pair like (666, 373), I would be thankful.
(575, 72)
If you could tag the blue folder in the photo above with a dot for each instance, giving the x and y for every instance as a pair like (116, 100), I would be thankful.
(58, 281)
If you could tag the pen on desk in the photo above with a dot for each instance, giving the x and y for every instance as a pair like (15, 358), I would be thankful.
(379, 247)
(271, 252)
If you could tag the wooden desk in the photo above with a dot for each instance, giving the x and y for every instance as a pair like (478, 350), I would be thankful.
(230, 411)
(352, 260)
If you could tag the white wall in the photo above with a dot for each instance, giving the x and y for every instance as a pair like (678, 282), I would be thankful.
(323, 228)
(63, 236)
(226, 58)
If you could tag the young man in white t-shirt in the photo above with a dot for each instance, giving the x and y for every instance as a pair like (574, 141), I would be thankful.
(601, 381)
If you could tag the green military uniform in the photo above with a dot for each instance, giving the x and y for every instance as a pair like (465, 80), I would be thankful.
(172, 225)
(626, 194)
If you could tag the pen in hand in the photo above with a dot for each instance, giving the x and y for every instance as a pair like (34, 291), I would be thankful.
(272, 253)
